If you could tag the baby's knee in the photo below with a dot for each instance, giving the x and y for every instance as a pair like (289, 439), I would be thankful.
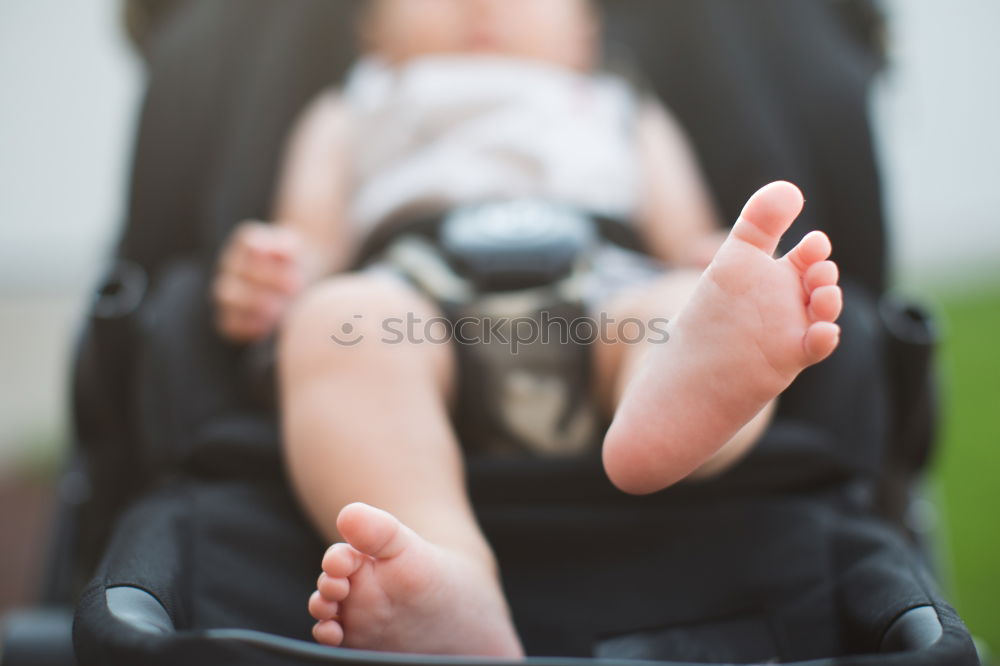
(347, 308)
(349, 297)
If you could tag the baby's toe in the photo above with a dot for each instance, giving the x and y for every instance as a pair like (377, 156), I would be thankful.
(825, 303)
(333, 589)
(321, 608)
(815, 247)
(374, 532)
(820, 340)
(342, 560)
(768, 215)
(821, 274)
(328, 632)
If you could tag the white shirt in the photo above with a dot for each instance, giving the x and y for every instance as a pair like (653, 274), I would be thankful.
(443, 131)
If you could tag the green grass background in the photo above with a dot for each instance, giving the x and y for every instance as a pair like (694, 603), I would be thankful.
(966, 478)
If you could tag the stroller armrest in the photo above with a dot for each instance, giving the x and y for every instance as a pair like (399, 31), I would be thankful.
(916, 629)
(139, 609)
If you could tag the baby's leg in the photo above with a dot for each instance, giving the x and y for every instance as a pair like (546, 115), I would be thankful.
(749, 326)
(365, 419)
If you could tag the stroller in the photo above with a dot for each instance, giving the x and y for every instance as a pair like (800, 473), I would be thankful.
(180, 495)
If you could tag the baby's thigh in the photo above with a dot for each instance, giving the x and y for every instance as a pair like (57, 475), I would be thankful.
(631, 319)
(658, 298)
(361, 302)
(366, 319)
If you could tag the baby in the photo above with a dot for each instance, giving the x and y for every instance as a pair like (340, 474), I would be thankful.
(459, 101)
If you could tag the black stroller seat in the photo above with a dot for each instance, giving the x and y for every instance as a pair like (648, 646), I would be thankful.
(193, 546)
(174, 587)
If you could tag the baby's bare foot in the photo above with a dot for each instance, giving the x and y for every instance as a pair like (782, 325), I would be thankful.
(388, 589)
(751, 326)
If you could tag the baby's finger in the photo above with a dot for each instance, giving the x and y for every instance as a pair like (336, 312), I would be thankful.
(262, 270)
(242, 327)
(270, 241)
(248, 316)
(248, 238)
(235, 293)
(247, 230)
(284, 244)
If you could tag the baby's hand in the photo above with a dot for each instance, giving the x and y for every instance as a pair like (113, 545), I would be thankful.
(260, 271)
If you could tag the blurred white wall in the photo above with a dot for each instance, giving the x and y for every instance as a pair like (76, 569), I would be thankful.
(70, 84)
(69, 87)
(938, 129)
